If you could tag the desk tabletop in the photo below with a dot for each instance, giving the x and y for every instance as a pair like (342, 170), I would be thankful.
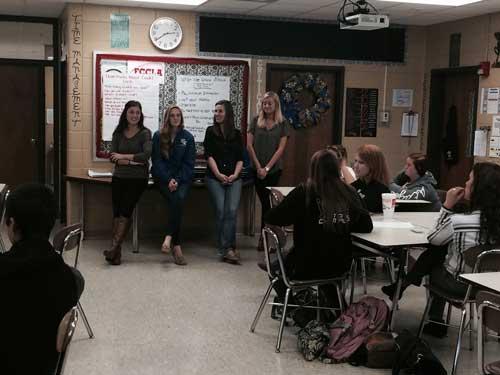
(488, 280)
(404, 229)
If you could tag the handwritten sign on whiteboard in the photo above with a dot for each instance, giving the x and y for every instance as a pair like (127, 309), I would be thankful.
(197, 95)
(158, 82)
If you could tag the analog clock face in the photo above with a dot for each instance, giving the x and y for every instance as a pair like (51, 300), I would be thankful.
(165, 33)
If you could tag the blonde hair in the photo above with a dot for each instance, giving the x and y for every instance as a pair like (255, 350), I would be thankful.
(278, 116)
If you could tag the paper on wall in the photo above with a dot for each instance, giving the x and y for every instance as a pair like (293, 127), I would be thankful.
(494, 147)
(490, 100)
(495, 127)
(402, 97)
(480, 143)
(409, 125)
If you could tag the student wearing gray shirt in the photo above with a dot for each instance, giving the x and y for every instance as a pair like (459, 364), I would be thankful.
(267, 136)
(130, 152)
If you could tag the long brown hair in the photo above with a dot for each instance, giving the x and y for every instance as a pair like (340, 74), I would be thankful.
(420, 162)
(277, 116)
(228, 124)
(374, 157)
(325, 180)
(123, 123)
(167, 131)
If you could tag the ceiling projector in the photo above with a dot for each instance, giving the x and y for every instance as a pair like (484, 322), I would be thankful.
(365, 22)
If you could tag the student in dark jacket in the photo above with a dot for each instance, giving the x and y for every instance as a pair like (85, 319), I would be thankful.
(224, 153)
(372, 176)
(36, 286)
(324, 212)
(173, 160)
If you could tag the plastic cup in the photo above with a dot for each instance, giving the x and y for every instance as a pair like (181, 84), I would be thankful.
(388, 204)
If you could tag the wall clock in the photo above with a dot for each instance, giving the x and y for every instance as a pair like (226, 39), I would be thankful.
(165, 33)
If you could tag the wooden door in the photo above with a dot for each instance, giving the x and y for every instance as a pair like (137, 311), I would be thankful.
(459, 91)
(21, 111)
(452, 87)
(303, 143)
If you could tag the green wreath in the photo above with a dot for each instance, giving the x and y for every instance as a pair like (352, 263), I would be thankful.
(295, 112)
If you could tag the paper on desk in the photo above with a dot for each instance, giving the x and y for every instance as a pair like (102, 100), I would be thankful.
(99, 174)
(393, 224)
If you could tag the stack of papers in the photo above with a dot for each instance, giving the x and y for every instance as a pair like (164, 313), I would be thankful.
(392, 224)
(99, 174)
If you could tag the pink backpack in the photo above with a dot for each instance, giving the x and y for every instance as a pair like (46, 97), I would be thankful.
(351, 329)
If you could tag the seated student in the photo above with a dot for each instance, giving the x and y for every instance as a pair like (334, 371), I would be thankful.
(324, 211)
(346, 172)
(36, 286)
(373, 176)
(416, 182)
(456, 232)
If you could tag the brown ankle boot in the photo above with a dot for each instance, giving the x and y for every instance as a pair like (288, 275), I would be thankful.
(121, 232)
(111, 252)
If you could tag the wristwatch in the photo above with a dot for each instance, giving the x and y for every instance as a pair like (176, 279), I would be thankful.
(267, 169)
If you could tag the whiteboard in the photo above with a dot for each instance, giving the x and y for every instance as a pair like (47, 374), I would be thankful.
(158, 82)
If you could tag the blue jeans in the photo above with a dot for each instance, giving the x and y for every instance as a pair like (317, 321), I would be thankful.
(226, 199)
(175, 203)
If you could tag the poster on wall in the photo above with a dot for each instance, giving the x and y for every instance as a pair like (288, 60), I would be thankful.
(402, 97)
(158, 82)
(490, 100)
(361, 112)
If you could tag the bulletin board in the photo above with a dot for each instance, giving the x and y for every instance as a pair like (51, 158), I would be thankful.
(361, 112)
(157, 82)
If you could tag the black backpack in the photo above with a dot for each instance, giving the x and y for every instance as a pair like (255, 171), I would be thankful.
(415, 356)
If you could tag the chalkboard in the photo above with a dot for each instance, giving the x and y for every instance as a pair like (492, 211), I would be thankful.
(157, 82)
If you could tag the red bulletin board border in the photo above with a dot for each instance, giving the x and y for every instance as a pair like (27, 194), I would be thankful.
(102, 154)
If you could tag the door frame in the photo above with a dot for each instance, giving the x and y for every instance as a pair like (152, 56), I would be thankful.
(436, 113)
(59, 122)
(338, 90)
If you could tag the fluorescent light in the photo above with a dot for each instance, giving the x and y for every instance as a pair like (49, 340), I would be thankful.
(452, 3)
(174, 2)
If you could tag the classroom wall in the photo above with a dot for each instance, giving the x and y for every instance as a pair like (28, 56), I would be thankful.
(477, 44)
(91, 31)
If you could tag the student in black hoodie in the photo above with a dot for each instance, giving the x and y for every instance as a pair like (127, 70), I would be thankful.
(324, 211)
(36, 286)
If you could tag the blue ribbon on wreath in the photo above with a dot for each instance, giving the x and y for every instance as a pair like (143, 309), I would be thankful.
(295, 112)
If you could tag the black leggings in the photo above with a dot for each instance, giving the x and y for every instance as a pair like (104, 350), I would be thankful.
(263, 192)
(431, 258)
(125, 194)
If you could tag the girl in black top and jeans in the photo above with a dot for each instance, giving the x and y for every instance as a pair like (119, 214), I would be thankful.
(324, 211)
(224, 152)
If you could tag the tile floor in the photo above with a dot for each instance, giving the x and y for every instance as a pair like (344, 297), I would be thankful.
(152, 317)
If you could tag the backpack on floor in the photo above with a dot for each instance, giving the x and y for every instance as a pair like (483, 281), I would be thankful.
(415, 357)
(312, 339)
(352, 328)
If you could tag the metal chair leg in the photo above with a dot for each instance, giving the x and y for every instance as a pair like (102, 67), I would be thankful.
(363, 274)
(424, 317)
(459, 340)
(353, 280)
(390, 269)
(85, 321)
(471, 326)
(262, 304)
(283, 318)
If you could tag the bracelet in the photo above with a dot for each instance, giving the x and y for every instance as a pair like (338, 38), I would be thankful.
(267, 169)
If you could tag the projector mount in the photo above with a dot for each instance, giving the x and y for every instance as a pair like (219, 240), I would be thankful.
(356, 7)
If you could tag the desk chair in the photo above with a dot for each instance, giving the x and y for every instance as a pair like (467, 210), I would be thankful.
(4, 193)
(64, 335)
(487, 261)
(272, 245)
(66, 239)
(488, 311)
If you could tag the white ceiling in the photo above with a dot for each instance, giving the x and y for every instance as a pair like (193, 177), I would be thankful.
(408, 14)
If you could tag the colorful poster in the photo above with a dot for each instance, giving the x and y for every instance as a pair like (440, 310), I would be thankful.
(120, 30)
(361, 112)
